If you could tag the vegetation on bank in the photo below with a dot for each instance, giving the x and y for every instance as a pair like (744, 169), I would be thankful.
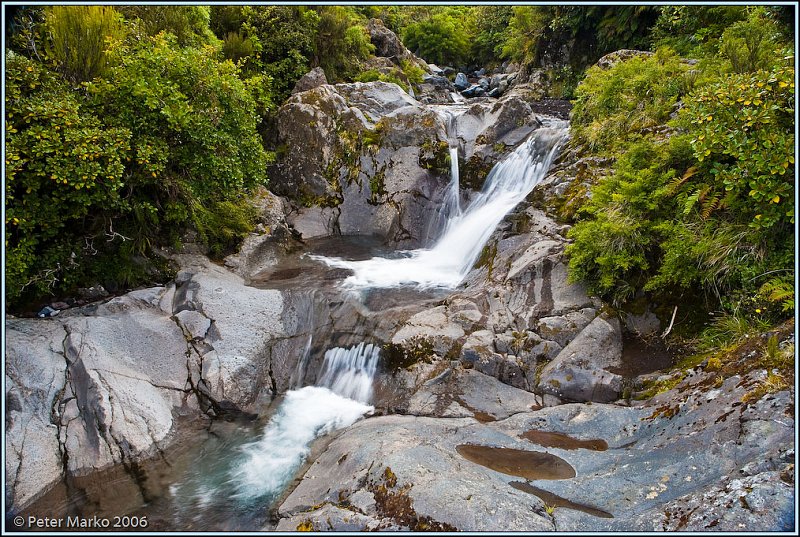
(699, 208)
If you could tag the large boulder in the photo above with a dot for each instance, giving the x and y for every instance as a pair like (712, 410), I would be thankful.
(312, 79)
(580, 372)
(388, 45)
(375, 160)
(108, 383)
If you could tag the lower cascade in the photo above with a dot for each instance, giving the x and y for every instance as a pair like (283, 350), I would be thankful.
(448, 261)
(263, 467)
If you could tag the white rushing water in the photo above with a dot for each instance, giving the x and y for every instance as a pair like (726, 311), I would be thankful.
(240, 475)
(448, 261)
(341, 398)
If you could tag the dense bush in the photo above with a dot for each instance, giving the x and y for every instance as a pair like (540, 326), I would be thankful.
(97, 176)
(700, 201)
(76, 39)
(613, 106)
(64, 171)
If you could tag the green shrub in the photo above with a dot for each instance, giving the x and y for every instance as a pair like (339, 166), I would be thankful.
(79, 39)
(373, 75)
(750, 44)
(615, 105)
(64, 175)
(189, 24)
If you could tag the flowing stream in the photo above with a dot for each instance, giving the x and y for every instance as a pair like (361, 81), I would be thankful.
(449, 260)
(230, 479)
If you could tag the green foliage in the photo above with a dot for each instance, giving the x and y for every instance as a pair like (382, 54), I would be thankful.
(79, 39)
(373, 75)
(440, 38)
(527, 26)
(64, 170)
(780, 290)
(743, 141)
(189, 24)
(700, 201)
(694, 30)
(192, 118)
(750, 44)
(222, 224)
(538, 34)
(282, 40)
(342, 42)
(491, 30)
(616, 105)
(412, 71)
(97, 176)
(618, 248)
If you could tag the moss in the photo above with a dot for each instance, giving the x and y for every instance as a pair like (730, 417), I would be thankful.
(651, 389)
(377, 185)
(412, 351)
(305, 525)
(434, 155)
(474, 171)
(392, 502)
(487, 258)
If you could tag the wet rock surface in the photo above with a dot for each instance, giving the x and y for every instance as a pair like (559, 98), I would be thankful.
(684, 471)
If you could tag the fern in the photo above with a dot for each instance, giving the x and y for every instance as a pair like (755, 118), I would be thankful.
(780, 290)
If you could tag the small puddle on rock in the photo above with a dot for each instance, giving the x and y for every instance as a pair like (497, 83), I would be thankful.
(557, 501)
(563, 441)
(518, 462)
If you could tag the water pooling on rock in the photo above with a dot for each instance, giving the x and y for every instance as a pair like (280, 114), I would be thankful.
(447, 262)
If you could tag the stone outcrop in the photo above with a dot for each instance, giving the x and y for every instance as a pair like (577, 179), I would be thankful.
(722, 466)
(312, 79)
(108, 383)
(374, 160)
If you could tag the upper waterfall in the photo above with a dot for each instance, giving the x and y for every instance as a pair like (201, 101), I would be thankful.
(466, 231)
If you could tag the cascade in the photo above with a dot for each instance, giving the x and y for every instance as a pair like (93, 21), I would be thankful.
(447, 262)
(245, 478)
(339, 399)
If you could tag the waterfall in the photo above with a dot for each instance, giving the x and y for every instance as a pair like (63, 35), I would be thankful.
(451, 200)
(341, 398)
(448, 261)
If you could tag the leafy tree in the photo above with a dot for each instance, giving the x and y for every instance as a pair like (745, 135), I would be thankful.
(440, 39)
(193, 127)
(342, 42)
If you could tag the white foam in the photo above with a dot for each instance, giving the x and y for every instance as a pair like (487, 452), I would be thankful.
(447, 263)
(268, 464)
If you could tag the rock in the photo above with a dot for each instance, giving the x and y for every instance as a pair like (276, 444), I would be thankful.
(484, 83)
(611, 59)
(461, 82)
(635, 468)
(388, 45)
(35, 377)
(474, 91)
(432, 325)
(435, 70)
(109, 382)
(96, 292)
(312, 79)
(580, 371)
